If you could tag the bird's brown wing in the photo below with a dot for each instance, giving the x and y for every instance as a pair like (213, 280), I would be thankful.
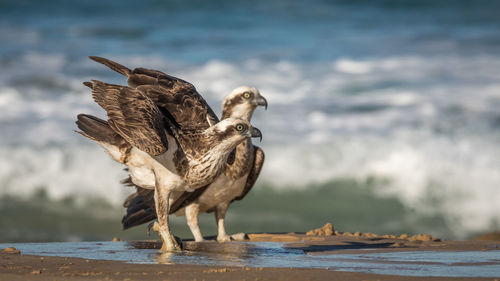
(132, 115)
(254, 172)
(175, 97)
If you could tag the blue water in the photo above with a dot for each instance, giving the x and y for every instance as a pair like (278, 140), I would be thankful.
(199, 31)
(271, 254)
(405, 93)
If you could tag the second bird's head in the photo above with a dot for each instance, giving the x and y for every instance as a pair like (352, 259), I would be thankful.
(241, 103)
(232, 131)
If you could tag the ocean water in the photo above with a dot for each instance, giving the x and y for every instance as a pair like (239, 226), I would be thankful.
(398, 99)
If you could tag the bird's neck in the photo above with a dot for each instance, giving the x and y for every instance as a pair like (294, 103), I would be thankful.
(240, 113)
(243, 150)
(242, 162)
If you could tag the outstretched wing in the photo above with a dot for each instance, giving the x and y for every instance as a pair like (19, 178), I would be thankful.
(175, 97)
(254, 172)
(132, 115)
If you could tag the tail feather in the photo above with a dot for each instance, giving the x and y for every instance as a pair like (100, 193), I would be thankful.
(97, 129)
(138, 218)
(113, 65)
(140, 206)
(139, 209)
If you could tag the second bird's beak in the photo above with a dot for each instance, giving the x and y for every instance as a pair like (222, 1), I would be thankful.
(261, 101)
(255, 133)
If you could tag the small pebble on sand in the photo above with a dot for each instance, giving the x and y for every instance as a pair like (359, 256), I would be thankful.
(239, 236)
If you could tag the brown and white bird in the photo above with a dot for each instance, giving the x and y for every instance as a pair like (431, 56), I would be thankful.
(239, 176)
(164, 132)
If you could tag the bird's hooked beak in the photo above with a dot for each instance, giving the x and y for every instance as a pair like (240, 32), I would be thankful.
(255, 133)
(260, 101)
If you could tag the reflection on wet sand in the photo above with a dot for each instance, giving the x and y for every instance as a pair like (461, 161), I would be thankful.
(226, 254)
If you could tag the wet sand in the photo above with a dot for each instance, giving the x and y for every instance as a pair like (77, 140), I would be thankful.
(19, 266)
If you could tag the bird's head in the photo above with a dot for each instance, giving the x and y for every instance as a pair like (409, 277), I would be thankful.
(232, 131)
(241, 103)
(221, 140)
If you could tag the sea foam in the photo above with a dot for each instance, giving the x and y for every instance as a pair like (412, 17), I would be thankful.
(427, 126)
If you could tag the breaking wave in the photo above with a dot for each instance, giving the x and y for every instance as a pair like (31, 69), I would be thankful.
(427, 126)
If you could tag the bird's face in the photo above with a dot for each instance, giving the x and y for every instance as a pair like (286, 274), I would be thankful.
(241, 103)
(235, 130)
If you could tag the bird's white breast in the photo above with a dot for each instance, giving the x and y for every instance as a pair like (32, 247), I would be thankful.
(146, 171)
(221, 190)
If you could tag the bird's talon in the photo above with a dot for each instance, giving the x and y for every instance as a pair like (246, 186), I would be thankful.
(225, 238)
(150, 227)
(176, 245)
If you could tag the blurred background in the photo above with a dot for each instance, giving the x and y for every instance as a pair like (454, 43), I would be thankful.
(383, 115)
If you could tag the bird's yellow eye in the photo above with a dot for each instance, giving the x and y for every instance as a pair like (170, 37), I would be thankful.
(240, 127)
(247, 95)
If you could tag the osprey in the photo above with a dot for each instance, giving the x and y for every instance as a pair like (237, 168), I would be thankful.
(164, 132)
(234, 183)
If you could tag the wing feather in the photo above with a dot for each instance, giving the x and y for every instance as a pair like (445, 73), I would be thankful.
(113, 65)
(133, 116)
(188, 108)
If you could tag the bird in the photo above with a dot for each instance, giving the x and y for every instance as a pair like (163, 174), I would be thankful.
(166, 134)
(239, 176)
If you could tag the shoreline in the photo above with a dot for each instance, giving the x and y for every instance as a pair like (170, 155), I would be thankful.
(20, 266)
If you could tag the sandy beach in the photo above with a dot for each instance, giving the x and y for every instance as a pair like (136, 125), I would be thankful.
(20, 266)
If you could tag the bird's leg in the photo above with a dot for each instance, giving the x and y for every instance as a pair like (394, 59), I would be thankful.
(192, 211)
(161, 202)
(220, 214)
